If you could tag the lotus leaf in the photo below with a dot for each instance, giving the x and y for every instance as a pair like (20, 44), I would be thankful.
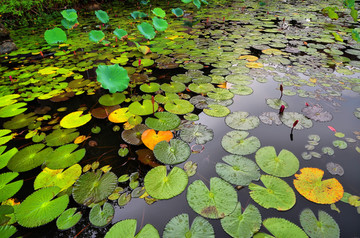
(215, 203)
(68, 219)
(146, 30)
(276, 193)
(276, 103)
(127, 229)
(102, 16)
(150, 138)
(55, 36)
(101, 217)
(13, 109)
(283, 165)
(220, 94)
(69, 14)
(201, 88)
(326, 226)
(111, 99)
(159, 185)
(282, 228)
(160, 24)
(8, 99)
(75, 119)
(238, 170)
(241, 90)
(146, 108)
(120, 115)
(28, 158)
(242, 121)
(133, 136)
(179, 106)
(61, 137)
(5, 157)
(178, 12)
(159, 12)
(316, 113)
(200, 133)
(20, 121)
(7, 231)
(288, 118)
(150, 88)
(235, 142)
(309, 184)
(242, 224)
(7, 189)
(270, 117)
(112, 77)
(177, 152)
(173, 87)
(216, 110)
(178, 227)
(41, 207)
(60, 178)
(120, 33)
(335, 169)
(166, 121)
(136, 14)
(93, 187)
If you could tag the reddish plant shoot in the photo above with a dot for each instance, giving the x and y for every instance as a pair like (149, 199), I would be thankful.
(281, 110)
(139, 62)
(295, 123)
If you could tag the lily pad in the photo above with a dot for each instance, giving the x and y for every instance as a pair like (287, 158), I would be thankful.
(133, 136)
(283, 165)
(159, 185)
(160, 24)
(282, 228)
(7, 231)
(55, 36)
(173, 87)
(326, 226)
(100, 217)
(276, 103)
(146, 108)
(7, 189)
(113, 77)
(41, 207)
(178, 226)
(238, 170)
(96, 36)
(316, 113)
(179, 106)
(242, 224)
(236, 142)
(150, 88)
(13, 109)
(127, 229)
(120, 33)
(340, 144)
(5, 157)
(242, 90)
(216, 110)
(150, 138)
(270, 117)
(165, 121)
(75, 119)
(200, 133)
(220, 94)
(146, 30)
(61, 136)
(120, 115)
(111, 99)
(288, 118)
(335, 169)
(242, 121)
(8, 99)
(201, 87)
(178, 12)
(20, 121)
(215, 203)
(159, 12)
(174, 153)
(68, 219)
(102, 16)
(276, 193)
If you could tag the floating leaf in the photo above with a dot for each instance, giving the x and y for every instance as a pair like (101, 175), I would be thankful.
(5, 157)
(150, 138)
(159, 185)
(340, 144)
(238, 170)
(120, 115)
(133, 136)
(160, 24)
(283, 165)
(69, 14)
(7, 231)
(13, 109)
(178, 12)
(124, 199)
(173, 87)
(179, 106)
(41, 207)
(146, 108)
(309, 184)
(335, 169)
(127, 229)
(20, 121)
(102, 16)
(178, 226)
(220, 94)
(288, 118)
(326, 226)
(111, 99)
(316, 113)
(270, 117)
(215, 110)
(215, 203)
(112, 77)
(174, 153)
(146, 30)
(276, 103)
(61, 136)
(165, 121)
(136, 14)
(327, 150)
(200, 133)
(101, 217)
(242, 121)
(190, 168)
(276, 193)
(159, 12)
(150, 88)
(282, 228)
(8, 99)
(242, 224)
(7, 189)
(75, 119)
(68, 219)
(120, 33)
(55, 36)
(235, 142)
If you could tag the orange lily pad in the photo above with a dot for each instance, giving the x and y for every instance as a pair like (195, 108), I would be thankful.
(309, 184)
(249, 58)
(150, 138)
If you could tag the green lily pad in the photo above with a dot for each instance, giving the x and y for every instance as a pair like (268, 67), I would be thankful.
(7, 231)
(29, 158)
(280, 227)
(75, 119)
(8, 99)
(326, 226)
(69, 14)
(238, 170)
(120, 33)
(178, 12)
(61, 137)
(13, 109)
(146, 108)
(55, 36)
(112, 99)
(5, 157)
(340, 144)
(283, 165)
(201, 87)
(102, 16)
(20, 121)
(146, 30)
(159, 185)
(220, 94)
(127, 229)
(4, 139)
(270, 117)
(276, 193)
(41, 207)
(93, 187)
(242, 224)
(101, 217)
(133, 136)
(159, 12)
(113, 77)
(178, 226)
(242, 121)
(7, 189)
(215, 203)
(68, 219)
(150, 88)
(173, 87)
(242, 90)
(235, 142)
(160, 24)
(276, 103)
(179, 106)
(174, 153)
(165, 121)
(216, 110)
(200, 133)
(288, 118)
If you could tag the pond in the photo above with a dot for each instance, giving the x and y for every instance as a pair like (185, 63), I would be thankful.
(232, 119)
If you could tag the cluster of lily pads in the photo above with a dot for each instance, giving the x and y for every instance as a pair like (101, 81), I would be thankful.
(161, 114)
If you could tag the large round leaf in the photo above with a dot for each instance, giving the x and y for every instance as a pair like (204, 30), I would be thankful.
(69, 14)
(200, 133)
(288, 118)
(178, 226)
(238, 170)
(20, 121)
(61, 137)
(146, 108)
(276, 103)
(173, 87)
(55, 36)
(174, 153)
(276, 193)
(112, 99)
(179, 106)
(283, 165)
(13, 109)
(215, 110)
(68, 219)
(282, 228)
(326, 226)
(159, 12)
(242, 121)
(96, 36)
(215, 203)
(64, 156)
(101, 216)
(165, 121)
(75, 119)
(159, 185)
(242, 224)
(41, 207)
(127, 229)
(317, 113)
(160, 24)
(7, 189)
(133, 136)
(178, 12)
(235, 142)
(102, 16)
(150, 138)
(146, 30)
(112, 77)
